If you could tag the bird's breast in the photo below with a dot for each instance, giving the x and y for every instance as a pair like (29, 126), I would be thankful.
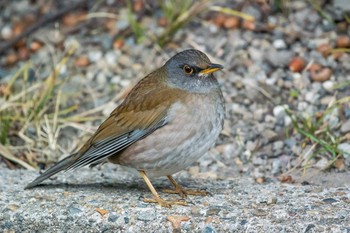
(194, 124)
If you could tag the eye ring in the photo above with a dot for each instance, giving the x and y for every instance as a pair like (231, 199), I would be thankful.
(187, 69)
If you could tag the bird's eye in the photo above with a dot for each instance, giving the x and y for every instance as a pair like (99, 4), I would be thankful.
(187, 69)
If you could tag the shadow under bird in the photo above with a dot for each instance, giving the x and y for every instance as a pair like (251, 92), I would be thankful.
(168, 121)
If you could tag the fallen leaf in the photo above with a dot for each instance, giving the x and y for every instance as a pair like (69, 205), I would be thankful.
(287, 179)
(101, 211)
(176, 220)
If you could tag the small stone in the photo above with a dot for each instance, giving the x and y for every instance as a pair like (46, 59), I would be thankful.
(279, 110)
(259, 212)
(279, 58)
(328, 85)
(297, 64)
(329, 200)
(271, 200)
(118, 43)
(269, 135)
(125, 60)
(219, 20)
(111, 58)
(327, 100)
(323, 163)
(209, 229)
(308, 228)
(343, 41)
(74, 210)
(276, 167)
(6, 32)
(112, 217)
(124, 82)
(35, 46)
(322, 75)
(82, 61)
(345, 148)
(279, 44)
(278, 145)
(195, 211)
(122, 24)
(290, 142)
(324, 49)
(213, 211)
(345, 127)
(231, 22)
(95, 55)
(11, 59)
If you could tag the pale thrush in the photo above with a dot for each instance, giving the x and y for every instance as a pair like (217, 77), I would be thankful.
(169, 120)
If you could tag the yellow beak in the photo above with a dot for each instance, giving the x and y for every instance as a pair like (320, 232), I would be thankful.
(211, 68)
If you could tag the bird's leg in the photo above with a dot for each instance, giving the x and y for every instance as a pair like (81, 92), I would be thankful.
(157, 198)
(178, 189)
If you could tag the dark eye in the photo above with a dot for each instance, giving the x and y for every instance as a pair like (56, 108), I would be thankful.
(188, 69)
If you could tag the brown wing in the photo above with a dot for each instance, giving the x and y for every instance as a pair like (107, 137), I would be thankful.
(143, 111)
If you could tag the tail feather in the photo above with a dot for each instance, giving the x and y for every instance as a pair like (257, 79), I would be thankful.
(60, 166)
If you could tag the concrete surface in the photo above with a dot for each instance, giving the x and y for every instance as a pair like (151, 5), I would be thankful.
(92, 200)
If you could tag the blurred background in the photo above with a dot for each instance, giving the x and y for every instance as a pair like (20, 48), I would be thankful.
(65, 65)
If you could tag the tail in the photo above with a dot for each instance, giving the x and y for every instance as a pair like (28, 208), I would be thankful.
(61, 165)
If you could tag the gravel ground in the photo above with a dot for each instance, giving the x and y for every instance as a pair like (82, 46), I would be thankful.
(111, 201)
(259, 159)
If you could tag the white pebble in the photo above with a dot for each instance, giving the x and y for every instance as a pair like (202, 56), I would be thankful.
(279, 110)
(328, 85)
(279, 44)
(6, 32)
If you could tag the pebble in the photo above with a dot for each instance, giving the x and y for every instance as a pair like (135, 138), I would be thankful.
(345, 127)
(101, 78)
(213, 211)
(271, 200)
(328, 85)
(279, 110)
(279, 58)
(323, 163)
(345, 147)
(6, 32)
(276, 167)
(125, 60)
(95, 55)
(329, 200)
(290, 142)
(279, 44)
(74, 210)
(269, 135)
(278, 145)
(209, 229)
(111, 58)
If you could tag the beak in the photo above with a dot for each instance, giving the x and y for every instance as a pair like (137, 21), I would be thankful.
(211, 68)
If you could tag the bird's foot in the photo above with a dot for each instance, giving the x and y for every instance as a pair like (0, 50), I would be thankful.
(184, 192)
(165, 203)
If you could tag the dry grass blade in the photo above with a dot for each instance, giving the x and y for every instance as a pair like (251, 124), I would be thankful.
(182, 19)
(4, 152)
(232, 12)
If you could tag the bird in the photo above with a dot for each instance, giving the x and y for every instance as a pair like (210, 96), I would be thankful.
(169, 119)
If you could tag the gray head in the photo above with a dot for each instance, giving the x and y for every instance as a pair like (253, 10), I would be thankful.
(192, 70)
